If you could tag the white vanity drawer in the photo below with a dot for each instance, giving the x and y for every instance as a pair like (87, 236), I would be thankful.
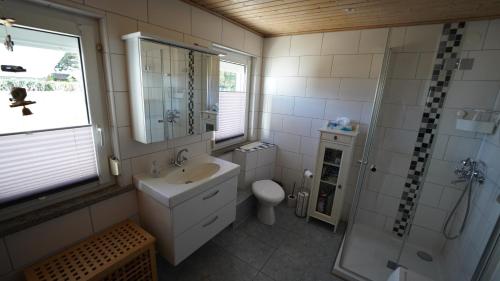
(336, 138)
(193, 210)
(205, 230)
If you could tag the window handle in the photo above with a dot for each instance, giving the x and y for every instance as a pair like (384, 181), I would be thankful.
(101, 137)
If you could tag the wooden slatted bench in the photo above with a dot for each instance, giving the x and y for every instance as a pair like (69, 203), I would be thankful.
(124, 252)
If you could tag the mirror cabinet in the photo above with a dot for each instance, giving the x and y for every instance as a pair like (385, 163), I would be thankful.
(173, 88)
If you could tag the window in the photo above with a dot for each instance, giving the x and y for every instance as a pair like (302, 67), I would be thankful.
(60, 145)
(233, 100)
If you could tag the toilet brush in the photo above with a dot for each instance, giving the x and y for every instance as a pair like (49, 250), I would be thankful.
(291, 201)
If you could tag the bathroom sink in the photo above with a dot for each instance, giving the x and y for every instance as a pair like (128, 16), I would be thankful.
(192, 173)
(177, 184)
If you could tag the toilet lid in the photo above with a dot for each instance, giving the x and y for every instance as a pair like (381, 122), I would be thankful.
(268, 189)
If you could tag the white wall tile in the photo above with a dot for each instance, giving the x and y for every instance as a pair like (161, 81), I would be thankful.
(492, 37)
(343, 42)
(291, 86)
(125, 177)
(206, 25)
(142, 164)
(284, 66)
(441, 172)
(476, 94)
(266, 156)
(353, 66)
(160, 32)
(287, 141)
(425, 65)
(309, 146)
(401, 91)
(232, 35)
(350, 109)
(116, 27)
(376, 65)
(306, 44)
(422, 38)
(114, 210)
(392, 185)
(485, 66)
(394, 163)
(387, 205)
(461, 148)
(119, 73)
(323, 88)
(172, 14)
(400, 141)
(307, 107)
(404, 65)
(431, 194)
(297, 125)
(392, 115)
(413, 117)
(475, 34)
(42, 240)
(277, 46)
(397, 37)
(130, 8)
(449, 198)
(131, 148)
(440, 146)
(357, 89)
(5, 265)
(427, 238)
(253, 43)
(317, 124)
(289, 160)
(122, 109)
(282, 105)
(373, 40)
(429, 217)
(316, 66)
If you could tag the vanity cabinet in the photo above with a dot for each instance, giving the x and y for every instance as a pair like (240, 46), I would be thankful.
(171, 84)
(330, 181)
(182, 229)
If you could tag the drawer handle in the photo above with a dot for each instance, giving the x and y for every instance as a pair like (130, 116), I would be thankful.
(335, 137)
(211, 195)
(211, 221)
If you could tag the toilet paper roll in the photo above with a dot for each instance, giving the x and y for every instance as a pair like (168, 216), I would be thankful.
(308, 174)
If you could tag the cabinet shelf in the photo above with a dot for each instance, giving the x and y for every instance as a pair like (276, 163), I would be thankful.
(329, 182)
(331, 164)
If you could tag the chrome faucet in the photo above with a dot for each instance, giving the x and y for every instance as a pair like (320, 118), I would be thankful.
(180, 159)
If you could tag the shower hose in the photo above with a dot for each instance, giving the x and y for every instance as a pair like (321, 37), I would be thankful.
(467, 189)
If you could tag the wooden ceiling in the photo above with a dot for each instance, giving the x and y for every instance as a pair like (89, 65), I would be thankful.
(283, 17)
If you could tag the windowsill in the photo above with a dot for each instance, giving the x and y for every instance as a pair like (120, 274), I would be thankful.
(44, 214)
(229, 148)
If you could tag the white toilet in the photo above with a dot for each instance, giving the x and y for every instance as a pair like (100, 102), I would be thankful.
(269, 194)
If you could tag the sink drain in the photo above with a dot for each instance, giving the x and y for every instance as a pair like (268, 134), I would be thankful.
(425, 256)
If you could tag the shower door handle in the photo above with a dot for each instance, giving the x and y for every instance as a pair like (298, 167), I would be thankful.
(373, 168)
(360, 161)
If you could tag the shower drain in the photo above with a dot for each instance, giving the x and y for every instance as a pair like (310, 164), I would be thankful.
(425, 256)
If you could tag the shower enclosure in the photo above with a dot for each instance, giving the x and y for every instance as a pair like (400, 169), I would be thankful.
(389, 226)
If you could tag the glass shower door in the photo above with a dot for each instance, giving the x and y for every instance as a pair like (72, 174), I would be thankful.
(369, 244)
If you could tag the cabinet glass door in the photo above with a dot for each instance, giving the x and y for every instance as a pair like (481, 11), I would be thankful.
(332, 159)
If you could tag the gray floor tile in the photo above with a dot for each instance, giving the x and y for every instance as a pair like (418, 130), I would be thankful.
(282, 267)
(245, 247)
(262, 277)
(285, 217)
(270, 235)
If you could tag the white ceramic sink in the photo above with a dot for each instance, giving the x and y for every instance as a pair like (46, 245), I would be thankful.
(177, 184)
(192, 173)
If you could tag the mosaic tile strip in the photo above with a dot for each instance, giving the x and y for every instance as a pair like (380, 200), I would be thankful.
(264, 145)
(449, 48)
(191, 94)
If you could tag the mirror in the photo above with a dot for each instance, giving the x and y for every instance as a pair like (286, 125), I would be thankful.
(174, 90)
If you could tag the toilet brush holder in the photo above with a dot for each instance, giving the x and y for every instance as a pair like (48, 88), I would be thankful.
(291, 201)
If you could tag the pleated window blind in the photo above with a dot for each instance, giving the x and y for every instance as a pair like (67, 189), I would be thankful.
(232, 101)
(32, 164)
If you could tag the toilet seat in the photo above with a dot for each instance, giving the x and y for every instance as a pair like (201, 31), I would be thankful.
(268, 190)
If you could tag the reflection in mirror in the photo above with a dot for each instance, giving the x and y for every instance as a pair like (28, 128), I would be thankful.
(174, 93)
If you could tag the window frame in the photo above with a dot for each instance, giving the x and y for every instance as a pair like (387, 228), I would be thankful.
(88, 29)
(245, 60)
